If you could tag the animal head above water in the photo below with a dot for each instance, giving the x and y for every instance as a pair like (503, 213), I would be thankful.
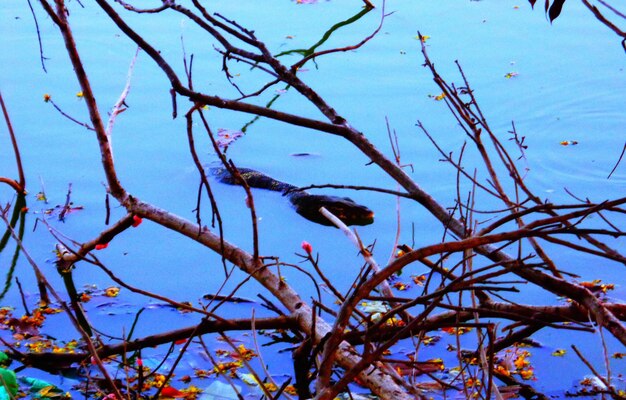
(344, 208)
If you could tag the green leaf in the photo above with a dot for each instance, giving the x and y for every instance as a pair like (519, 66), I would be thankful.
(41, 389)
(5, 361)
(9, 381)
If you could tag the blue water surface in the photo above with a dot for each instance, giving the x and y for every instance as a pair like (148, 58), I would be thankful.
(568, 85)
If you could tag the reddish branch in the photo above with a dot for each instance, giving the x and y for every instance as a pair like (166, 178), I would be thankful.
(68, 257)
(18, 186)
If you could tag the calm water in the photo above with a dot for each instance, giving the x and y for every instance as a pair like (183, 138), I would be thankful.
(570, 87)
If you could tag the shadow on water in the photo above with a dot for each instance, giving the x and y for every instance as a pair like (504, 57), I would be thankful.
(18, 217)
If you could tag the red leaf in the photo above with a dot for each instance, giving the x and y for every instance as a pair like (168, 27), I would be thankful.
(101, 246)
(306, 246)
(169, 391)
(136, 221)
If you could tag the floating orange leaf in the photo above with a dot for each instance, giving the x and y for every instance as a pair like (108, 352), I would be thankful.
(527, 374)
(243, 353)
(419, 280)
(400, 286)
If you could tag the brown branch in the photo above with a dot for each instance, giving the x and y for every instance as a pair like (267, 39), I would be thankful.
(203, 178)
(307, 322)
(13, 183)
(57, 360)
(66, 115)
(352, 187)
(556, 285)
(300, 311)
(21, 186)
(618, 161)
(60, 17)
(68, 257)
(373, 378)
(600, 17)
(525, 390)
(132, 8)
(40, 276)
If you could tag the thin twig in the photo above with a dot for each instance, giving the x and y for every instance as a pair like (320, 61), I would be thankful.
(16, 149)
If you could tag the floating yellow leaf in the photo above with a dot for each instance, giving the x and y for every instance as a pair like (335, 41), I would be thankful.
(453, 330)
(79, 94)
(112, 291)
(511, 75)
(526, 374)
(437, 362)
(395, 322)
(270, 386)
(243, 353)
(50, 310)
(502, 370)
(521, 361)
(438, 97)
(192, 391)
(471, 382)
(558, 352)
(430, 340)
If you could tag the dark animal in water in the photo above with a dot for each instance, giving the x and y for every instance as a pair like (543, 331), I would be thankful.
(306, 204)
